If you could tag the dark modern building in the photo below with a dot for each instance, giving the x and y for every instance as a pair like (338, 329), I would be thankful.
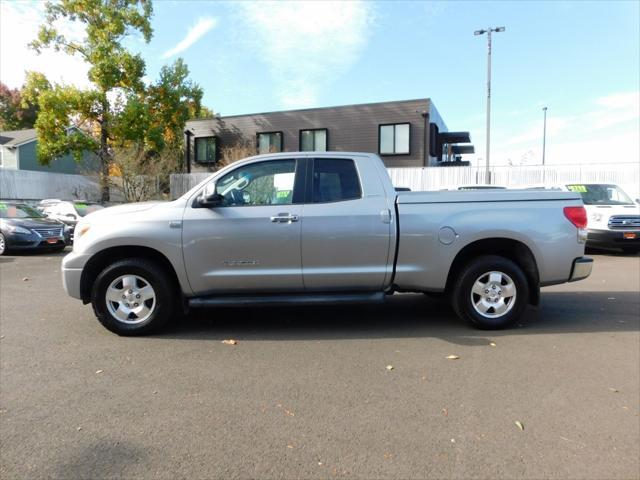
(406, 133)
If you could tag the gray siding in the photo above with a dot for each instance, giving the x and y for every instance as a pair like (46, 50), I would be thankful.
(350, 128)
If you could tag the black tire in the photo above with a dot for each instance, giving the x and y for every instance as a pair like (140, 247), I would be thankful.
(463, 301)
(163, 303)
(3, 244)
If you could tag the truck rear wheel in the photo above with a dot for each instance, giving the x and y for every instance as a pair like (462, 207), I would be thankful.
(133, 297)
(490, 292)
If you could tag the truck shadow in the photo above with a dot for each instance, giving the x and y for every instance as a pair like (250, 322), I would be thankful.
(409, 316)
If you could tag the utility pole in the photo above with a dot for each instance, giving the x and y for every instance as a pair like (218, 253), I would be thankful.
(488, 31)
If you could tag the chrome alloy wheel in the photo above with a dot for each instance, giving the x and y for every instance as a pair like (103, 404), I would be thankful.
(2, 244)
(130, 299)
(493, 294)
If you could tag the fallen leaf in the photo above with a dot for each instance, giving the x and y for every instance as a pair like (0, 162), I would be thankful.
(155, 391)
(452, 357)
(492, 344)
(614, 390)
(289, 412)
(25, 279)
(230, 341)
(445, 412)
(98, 371)
(79, 428)
(289, 446)
(389, 367)
(519, 425)
(320, 463)
(388, 455)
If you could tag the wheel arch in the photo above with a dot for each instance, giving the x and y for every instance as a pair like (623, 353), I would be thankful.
(103, 258)
(514, 250)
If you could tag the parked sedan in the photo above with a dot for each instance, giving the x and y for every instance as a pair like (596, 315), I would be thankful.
(68, 213)
(22, 227)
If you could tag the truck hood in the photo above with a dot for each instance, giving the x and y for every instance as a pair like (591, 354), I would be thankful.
(610, 210)
(598, 215)
(123, 209)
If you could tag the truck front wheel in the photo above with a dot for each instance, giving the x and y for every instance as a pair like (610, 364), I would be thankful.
(490, 292)
(133, 296)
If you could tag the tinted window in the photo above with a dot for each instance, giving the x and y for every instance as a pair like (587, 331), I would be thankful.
(270, 142)
(313, 140)
(394, 139)
(601, 194)
(205, 149)
(20, 210)
(264, 183)
(334, 180)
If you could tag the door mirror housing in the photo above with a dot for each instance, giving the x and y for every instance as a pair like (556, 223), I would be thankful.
(208, 199)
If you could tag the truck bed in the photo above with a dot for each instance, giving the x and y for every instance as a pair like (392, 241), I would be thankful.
(456, 196)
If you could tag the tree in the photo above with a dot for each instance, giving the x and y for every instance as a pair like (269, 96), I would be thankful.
(19, 108)
(155, 118)
(112, 70)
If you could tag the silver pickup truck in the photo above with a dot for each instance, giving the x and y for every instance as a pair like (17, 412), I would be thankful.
(323, 227)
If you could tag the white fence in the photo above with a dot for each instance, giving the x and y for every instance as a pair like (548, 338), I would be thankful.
(627, 175)
(28, 185)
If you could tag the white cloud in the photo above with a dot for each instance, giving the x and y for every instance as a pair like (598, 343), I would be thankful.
(194, 34)
(19, 23)
(306, 45)
(607, 132)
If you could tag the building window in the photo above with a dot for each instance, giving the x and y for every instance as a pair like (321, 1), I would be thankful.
(394, 139)
(269, 142)
(334, 180)
(206, 149)
(313, 140)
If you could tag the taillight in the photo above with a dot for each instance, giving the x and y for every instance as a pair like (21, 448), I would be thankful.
(577, 216)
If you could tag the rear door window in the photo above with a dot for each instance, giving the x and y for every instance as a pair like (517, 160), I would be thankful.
(334, 180)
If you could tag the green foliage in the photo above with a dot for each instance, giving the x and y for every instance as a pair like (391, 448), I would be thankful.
(55, 138)
(157, 116)
(19, 108)
(119, 113)
(106, 23)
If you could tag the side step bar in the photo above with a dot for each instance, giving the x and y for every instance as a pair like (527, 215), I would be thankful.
(286, 299)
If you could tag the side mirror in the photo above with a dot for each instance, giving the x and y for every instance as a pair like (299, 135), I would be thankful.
(211, 199)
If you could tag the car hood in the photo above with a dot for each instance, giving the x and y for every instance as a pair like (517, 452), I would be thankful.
(32, 222)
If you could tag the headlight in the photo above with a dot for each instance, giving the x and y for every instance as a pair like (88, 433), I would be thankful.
(81, 230)
(17, 229)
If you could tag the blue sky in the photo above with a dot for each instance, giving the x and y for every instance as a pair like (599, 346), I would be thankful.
(580, 59)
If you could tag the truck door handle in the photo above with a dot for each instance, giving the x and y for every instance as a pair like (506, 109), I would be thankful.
(284, 218)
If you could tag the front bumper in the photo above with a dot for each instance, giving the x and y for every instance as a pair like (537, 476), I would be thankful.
(72, 265)
(613, 238)
(581, 268)
(21, 241)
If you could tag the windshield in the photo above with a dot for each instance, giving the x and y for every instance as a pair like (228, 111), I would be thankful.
(84, 209)
(19, 210)
(601, 194)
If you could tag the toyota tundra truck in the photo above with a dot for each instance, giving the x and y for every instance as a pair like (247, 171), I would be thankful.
(316, 228)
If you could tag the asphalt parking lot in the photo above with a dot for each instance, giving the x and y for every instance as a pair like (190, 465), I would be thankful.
(306, 393)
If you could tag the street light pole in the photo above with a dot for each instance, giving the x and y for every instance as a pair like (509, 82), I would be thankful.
(488, 31)
(544, 134)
